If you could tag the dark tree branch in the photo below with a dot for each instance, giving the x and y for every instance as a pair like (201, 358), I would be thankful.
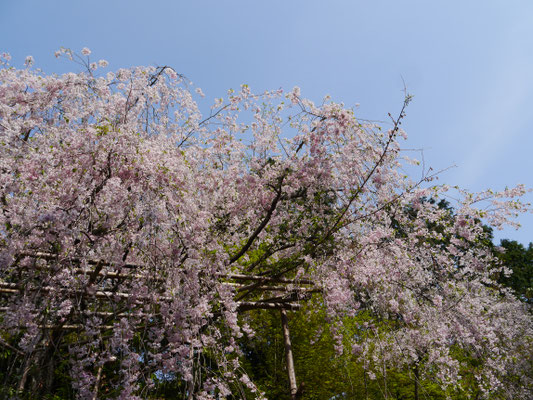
(263, 224)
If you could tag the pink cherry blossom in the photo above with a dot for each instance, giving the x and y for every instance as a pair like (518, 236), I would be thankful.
(124, 210)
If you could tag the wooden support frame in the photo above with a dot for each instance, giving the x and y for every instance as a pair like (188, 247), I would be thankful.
(290, 289)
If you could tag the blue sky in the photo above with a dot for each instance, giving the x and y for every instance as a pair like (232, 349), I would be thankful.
(469, 64)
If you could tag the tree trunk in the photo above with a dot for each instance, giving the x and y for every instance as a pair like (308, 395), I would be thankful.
(26, 366)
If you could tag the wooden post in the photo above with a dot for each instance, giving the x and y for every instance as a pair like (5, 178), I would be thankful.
(190, 384)
(288, 354)
(417, 376)
(97, 383)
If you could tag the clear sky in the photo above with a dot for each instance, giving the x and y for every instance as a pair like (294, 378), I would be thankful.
(469, 64)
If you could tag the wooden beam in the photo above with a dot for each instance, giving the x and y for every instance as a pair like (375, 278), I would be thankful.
(254, 305)
(110, 274)
(266, 279)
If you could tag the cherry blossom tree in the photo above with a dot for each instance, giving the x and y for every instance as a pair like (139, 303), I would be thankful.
(128, 217)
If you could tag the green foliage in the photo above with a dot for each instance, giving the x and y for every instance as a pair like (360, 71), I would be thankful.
(319, 369)
(519, 259)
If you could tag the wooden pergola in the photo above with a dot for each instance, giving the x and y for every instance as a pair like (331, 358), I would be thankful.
(253, 292)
